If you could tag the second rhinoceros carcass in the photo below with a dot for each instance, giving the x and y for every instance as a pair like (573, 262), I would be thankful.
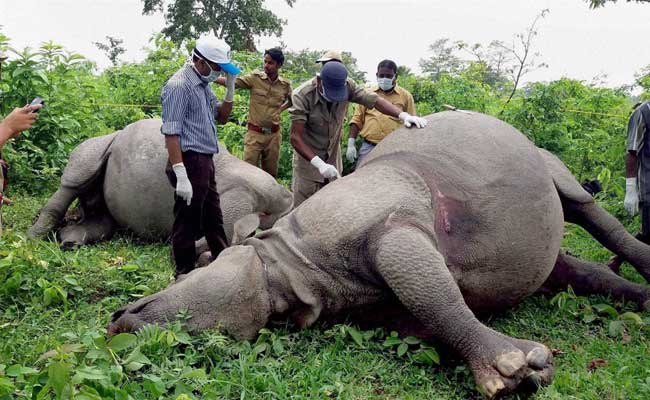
(461, 217)
(120, 181)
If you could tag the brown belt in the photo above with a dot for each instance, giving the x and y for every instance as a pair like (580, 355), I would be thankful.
(274, 128)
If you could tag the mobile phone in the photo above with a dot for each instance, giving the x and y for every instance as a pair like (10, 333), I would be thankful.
(37, 100)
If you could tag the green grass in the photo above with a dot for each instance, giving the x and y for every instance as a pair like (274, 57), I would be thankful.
(51, 300)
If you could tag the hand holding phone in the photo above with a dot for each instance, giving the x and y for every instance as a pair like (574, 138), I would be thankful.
(36, 102)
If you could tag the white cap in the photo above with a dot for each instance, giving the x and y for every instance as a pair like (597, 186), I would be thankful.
(216, 50)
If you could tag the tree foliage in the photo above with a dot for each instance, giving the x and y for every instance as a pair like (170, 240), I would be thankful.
(112, 48)
(238, 22)
(602, 3)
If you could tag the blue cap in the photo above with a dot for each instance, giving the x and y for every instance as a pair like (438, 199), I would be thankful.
(230, 68)
(334, 78)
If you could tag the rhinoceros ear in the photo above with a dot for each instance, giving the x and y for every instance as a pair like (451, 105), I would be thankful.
(245, 227)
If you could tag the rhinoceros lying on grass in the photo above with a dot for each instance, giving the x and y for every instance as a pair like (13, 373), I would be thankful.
(464, 216)
(120, 182)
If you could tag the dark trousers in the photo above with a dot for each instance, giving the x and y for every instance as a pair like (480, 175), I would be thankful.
(201, 218)
(644, 210)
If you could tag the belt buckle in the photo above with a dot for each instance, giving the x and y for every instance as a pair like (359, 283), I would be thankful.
(266, 131)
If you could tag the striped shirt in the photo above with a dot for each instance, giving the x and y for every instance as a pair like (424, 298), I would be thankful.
(637, 140)
(188, 109)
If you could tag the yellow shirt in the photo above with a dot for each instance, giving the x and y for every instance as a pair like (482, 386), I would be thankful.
(375, 126)
(266, 97)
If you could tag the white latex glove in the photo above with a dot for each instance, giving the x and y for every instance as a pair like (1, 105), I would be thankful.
(412, 120)
(183, 185)
(631, 201)
(351, 153)
(327, 171)
(230, 88)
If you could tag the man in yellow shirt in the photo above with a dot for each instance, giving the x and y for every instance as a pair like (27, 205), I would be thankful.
(372, 125)
(270, 95)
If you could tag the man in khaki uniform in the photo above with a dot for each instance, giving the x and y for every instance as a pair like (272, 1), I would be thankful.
(270, 95)
(372, 125)
(317, 116)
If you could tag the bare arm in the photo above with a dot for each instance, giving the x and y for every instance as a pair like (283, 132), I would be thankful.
(221, 81)
(173, 144)
(297, 141)
(631, 165)
(224, 112)
(17, 121)
(354, 131)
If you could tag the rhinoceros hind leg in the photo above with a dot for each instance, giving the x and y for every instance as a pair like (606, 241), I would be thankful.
(51, 215)
(416, 272)
(587, 277)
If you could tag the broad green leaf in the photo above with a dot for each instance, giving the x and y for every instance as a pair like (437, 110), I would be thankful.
(392, 341)
(134, 366)
(260, 348)
(411, 340)
(356, 336)
(632, 317)
(616, 328)
(88, 373)
(59, 376)
(130, 268)
(402, 349)
(122, 341)
(588, 318)
(17, 369)
(71, 280)
(137, 357)
(198, 373)
(606, 309)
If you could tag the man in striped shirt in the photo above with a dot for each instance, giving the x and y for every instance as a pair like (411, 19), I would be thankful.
(189, 109)
(637, 174)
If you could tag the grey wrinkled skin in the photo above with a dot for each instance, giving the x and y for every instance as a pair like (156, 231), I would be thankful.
(462, 217)
(120, 182)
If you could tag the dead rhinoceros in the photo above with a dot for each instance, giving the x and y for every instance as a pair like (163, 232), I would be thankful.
(461, 217)
(120, 182)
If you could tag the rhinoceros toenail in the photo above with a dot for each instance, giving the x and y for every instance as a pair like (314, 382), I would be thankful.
(509, 363)
(537, 357)
(493, 386)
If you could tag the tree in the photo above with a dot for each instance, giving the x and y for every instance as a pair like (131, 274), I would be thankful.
(601, 3)
(113, 48)
(521, 51)
(301, 65)
(238, 22)
(443, 59)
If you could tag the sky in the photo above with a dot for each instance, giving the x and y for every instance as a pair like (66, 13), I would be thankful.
(603, 45)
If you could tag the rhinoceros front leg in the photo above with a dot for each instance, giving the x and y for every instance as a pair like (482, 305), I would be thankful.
(609, 232)
(53, 212)
(587, 277)
(416, 272)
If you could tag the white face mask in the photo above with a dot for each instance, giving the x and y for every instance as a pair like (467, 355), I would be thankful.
(385, 84)
(209, 77)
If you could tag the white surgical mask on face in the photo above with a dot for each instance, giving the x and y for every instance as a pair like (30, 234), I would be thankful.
(385, 84)
(209, 77)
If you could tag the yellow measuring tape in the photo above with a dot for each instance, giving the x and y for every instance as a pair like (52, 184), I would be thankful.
(122, 105)
(596, 113)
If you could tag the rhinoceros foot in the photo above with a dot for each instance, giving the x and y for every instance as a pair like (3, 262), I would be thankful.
(510, 365)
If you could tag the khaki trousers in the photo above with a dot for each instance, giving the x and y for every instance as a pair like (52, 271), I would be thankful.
(303, 188)
(264, 147)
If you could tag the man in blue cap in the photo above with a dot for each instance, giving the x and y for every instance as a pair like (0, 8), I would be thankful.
(189, 109)
(317, 115)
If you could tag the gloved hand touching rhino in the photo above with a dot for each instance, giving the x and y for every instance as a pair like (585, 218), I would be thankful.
(461, 217)
(120, 182)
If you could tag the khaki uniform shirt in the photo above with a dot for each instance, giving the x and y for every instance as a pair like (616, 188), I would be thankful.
(375, 126)
(266, 97)
(323, 125)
